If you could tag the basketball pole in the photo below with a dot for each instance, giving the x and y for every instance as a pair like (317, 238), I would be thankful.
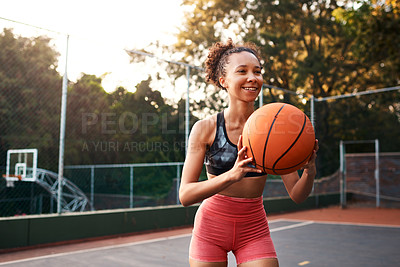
(62, 131)
(312, 118)
(312, 111)
(377, 173)
(342, 176)
(92, 187)
(187, 113)
(131, 187)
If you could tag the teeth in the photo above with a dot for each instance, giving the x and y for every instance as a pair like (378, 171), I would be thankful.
(250, 88)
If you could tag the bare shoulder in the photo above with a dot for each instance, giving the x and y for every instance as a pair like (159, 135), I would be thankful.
(204, 130)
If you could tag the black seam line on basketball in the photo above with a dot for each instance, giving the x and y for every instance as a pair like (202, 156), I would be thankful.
(287, 168)
(269, 132)
(251, 149)
(294, 142)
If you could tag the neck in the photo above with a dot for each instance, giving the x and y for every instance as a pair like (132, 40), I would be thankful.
(239, 111)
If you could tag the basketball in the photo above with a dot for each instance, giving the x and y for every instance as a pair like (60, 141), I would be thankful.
(279, 137)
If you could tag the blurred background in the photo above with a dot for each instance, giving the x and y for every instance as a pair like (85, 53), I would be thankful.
(135, 85)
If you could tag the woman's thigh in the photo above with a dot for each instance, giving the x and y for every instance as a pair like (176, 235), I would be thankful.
(269, 262)
(195, 263)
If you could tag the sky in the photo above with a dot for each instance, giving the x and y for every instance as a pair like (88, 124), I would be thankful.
(99, 32)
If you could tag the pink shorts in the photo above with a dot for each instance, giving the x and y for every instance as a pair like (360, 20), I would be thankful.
(224, 224)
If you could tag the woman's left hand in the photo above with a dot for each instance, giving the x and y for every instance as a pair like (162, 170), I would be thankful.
(310, 165)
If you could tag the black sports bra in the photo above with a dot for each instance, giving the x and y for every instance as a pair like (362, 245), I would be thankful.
(222, 154)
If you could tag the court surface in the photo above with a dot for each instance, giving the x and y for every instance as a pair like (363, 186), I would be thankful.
(327, 237)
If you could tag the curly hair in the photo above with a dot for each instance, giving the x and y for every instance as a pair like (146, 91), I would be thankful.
(218, 58)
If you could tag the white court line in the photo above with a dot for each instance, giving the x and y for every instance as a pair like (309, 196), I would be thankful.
(359, 224)
(97, 249)
(141, 242)
(276, 220)
(299, 224)
(291, 226)
(343, 223)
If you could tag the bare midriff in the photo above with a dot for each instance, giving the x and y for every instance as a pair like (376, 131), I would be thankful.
(248, 187)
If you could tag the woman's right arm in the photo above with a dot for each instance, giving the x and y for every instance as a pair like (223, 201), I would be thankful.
(191, 190)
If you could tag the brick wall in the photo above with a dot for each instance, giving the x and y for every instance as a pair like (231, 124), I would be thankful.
(360, 177)
(329, 184)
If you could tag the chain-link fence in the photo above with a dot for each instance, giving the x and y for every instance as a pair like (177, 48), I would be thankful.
(116, 125)
(128, 185)
(29, 108)
(110, 119)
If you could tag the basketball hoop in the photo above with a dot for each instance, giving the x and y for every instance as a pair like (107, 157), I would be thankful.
(21, 165)
(11, 178)
(19, 177)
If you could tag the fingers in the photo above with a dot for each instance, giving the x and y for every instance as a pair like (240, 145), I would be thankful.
(311, 161)
(244, 161)
(241, 149)
(314, 153)
(244, 165)
(240, 143)
(242, 154)
(316, 146)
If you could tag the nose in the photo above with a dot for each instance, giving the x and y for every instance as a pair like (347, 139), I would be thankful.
(252, 77)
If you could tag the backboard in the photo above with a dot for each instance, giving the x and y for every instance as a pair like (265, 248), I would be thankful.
(21, 165)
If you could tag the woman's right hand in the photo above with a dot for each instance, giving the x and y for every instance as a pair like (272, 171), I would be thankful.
(241, 166)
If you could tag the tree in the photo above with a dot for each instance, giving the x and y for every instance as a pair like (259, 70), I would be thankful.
(374, 28)
(156, 125)
(120, 127)
(300, 40)
(308, 49)
(30, 90)
(88, 126)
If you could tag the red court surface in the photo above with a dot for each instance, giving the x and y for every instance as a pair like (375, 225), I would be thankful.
(381, 217)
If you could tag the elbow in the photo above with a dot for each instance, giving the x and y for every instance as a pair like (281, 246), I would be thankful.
(298, 200)
(183, 202)
(183, 199)
(299, 196)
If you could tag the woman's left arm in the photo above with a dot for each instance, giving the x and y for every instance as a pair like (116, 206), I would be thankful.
(299, 188)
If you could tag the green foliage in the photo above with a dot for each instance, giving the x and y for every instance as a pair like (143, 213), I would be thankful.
(29, 96)
(319, 48)
(322, 48)
(374, 29)
(101, 127)
(121, 127)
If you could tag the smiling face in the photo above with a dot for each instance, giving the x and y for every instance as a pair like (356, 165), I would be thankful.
(243, 79)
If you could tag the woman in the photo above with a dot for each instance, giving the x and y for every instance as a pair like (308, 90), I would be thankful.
(232, 215)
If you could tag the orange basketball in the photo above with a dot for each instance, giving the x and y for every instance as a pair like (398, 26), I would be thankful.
(279, 137)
